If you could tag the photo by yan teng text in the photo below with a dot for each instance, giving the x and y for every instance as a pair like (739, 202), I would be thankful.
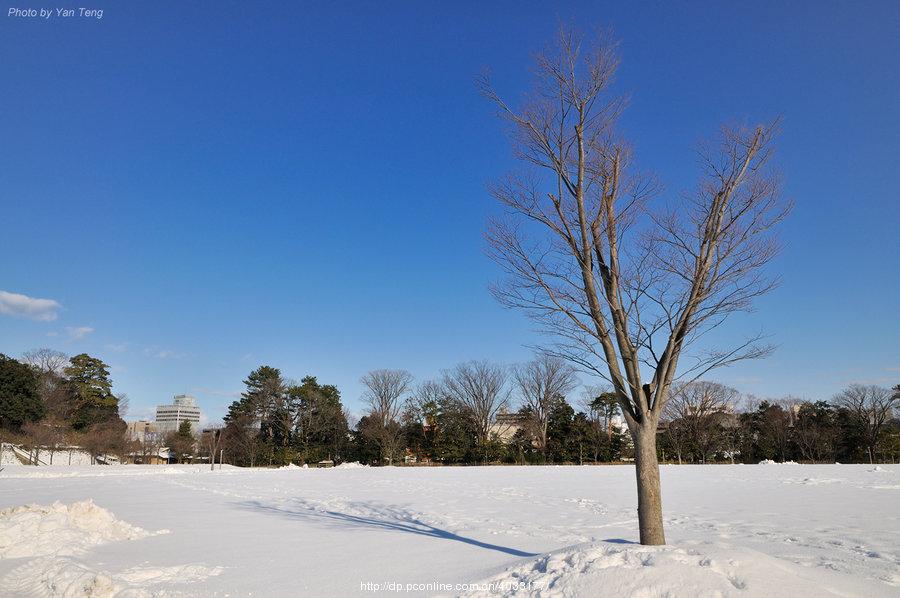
(49, 13)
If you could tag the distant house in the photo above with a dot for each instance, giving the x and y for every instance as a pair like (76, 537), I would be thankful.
(162, 456)
(142, 430)
(506, 425)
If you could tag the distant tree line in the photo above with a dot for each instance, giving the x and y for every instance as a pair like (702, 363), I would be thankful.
(50, 402)
(476, 412)
(279, 421)
(479, 412)
(706, 422)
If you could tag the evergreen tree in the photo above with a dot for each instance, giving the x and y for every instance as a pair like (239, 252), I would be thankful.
(19, 399)
(278, 423)
(321, 424)
(181, 443)
(363, 447)
(816, 431)
(562, 446)
(91, 387)
(265, 397)
(455, 434)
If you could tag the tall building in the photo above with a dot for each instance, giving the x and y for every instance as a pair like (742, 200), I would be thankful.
(182, 409)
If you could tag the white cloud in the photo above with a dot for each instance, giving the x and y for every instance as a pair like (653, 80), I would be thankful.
(117, 348)
(163, 353)
(76, 333)
(23, 306)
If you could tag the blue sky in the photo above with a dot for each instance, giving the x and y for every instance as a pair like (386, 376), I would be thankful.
(207, 187)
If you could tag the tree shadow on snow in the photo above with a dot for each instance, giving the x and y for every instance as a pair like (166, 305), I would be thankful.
(377, 517)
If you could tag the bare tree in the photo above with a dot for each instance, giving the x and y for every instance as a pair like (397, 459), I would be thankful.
(481, 388)
(424, 400)
(871, 407)
(626, 290)
(815, 432)
(148, 446)
(697, 411)
(541, 382)
(210, 441)
(384, 394)
(46, 361)
(240, 439)
(55, 393)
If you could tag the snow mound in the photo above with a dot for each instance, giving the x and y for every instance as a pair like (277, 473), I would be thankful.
(619, 568)
(59, 529)
(770, 462)
(64, 578)
(352, 465)
(880, 469)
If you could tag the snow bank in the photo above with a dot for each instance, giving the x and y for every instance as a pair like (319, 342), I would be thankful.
(352, 465)
(613, 569)
(64, 578)
(59, 529)
(770, 462)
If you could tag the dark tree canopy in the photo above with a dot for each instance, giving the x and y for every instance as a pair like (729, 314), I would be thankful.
(19, 399)
(92, 392)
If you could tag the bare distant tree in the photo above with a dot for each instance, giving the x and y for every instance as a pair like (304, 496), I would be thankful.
(871, 407)
(624, 289)
(384, 394)
(774, 429)
(210, 441)
(54, 391)
(46, 360)
(148, 446)
(541, 382)
(697, 411)
(425, 399)
(815, 432)
(481, 388)
(240, 439)
(102, 440)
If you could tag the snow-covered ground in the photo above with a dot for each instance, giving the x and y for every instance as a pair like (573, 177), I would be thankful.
(15, 455)
(745, 530)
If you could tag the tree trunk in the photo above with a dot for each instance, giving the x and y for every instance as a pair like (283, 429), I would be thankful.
(649, 495)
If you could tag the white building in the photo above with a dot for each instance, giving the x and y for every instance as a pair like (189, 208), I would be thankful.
(182, 409)
(142, 430)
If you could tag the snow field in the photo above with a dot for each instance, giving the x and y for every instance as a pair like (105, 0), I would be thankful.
(800, 530)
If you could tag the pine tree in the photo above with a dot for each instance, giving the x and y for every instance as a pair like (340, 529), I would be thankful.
(92, 390)
(19, 399)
